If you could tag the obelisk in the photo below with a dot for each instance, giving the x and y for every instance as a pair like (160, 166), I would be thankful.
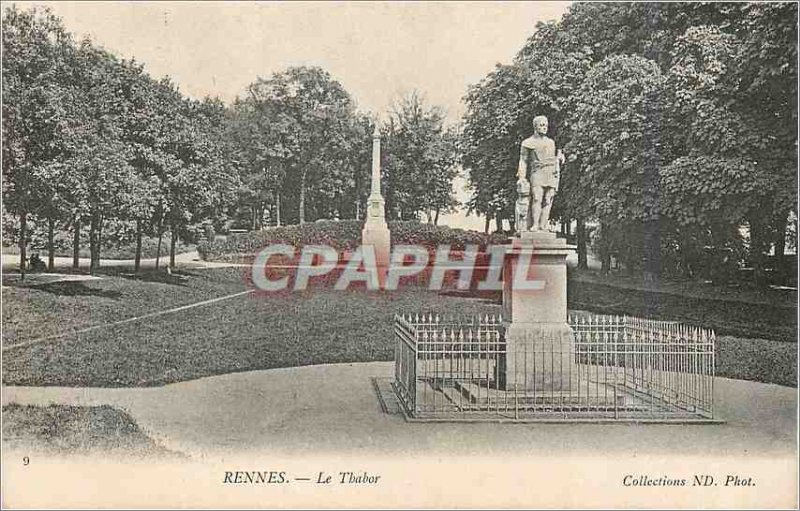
(376, 231)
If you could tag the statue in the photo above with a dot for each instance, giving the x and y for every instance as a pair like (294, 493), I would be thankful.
(537, 177)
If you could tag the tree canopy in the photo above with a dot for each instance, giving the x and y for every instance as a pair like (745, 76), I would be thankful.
(679, 122)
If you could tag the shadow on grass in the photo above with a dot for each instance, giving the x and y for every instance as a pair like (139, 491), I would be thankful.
(176, 278)
(489, 297)
(79, 288)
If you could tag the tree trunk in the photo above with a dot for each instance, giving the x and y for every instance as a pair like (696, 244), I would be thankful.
(302, 198)
(605, 262)
(486, 224)
(100, 223)
(23, 243)
(605, 253)
(757, 249)
(583, 260)
(137, 259)
(94, 242)
(436, 217)
(652, 252)
(173, 243)
(160, 236)
(76, 243)
(630, 262)
(51, 249)
(780, 244)
(278, 210)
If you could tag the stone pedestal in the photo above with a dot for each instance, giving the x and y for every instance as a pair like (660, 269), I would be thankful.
(376, 232)
(539, 341)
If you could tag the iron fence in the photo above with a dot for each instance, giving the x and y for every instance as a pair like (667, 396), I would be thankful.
(606, 368)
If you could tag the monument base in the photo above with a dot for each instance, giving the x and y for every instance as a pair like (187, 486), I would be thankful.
(538, 356)
(539, 342)
(539, 238)
(376, 234)
(595, 395)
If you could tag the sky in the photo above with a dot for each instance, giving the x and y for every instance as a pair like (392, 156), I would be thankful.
(377, 51)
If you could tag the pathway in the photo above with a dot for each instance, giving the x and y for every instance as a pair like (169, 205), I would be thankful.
(186, 259)
(334, 408)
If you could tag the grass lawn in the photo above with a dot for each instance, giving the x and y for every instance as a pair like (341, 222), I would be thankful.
(69, 430)
(296, 328)
(43, 310)
(749, 319)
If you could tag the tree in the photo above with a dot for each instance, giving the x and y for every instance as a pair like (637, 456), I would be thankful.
(37, 54)
(615, 144)
(489, 142)
(733, 93)
(311, 112)
(254, 139)
(420, 162)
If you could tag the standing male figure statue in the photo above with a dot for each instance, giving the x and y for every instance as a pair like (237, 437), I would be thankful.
(539, 169)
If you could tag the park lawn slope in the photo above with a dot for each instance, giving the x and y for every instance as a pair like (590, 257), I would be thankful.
(244, 333)
(31, 312)
(317, 326)
(726, 317)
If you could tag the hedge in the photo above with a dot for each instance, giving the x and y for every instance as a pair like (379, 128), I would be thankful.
(343, 235)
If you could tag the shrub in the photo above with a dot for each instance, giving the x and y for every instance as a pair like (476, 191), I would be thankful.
(343, 235)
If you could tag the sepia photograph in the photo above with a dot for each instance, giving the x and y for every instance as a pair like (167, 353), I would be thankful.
(399, 255)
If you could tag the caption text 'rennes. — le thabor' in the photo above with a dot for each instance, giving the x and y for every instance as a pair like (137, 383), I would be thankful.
(358, 477)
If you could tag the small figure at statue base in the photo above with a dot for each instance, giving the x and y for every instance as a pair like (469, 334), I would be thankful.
(522, 206)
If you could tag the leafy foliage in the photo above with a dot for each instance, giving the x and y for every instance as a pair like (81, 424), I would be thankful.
(90, 138)
(679, 122)
(420, 161)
